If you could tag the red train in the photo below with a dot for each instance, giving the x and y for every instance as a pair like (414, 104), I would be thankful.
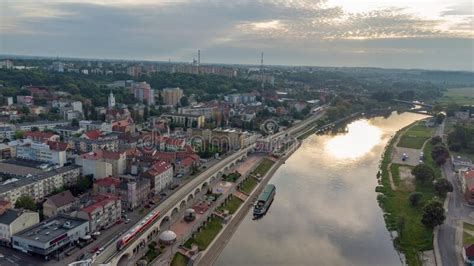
(137, 228)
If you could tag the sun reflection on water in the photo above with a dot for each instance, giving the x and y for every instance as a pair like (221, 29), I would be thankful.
(360, 139)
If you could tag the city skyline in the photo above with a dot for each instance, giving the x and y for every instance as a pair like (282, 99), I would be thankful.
(426, 35)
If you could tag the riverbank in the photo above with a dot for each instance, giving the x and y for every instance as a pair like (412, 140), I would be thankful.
(396, 184)
(210, 255)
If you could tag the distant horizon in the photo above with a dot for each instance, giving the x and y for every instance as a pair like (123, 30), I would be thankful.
(33, 57)
(392, 34)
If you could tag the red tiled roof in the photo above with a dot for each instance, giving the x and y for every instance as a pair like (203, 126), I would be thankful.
(158, 168)
(39, 135)
(99, 201)
(57, 146)
(469, 178)
(93, 134)
(108, 181)
(187, 161)
(102, 154)
(469, 249)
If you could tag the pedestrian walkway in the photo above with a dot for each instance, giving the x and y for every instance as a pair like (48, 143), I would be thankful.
(240, 195)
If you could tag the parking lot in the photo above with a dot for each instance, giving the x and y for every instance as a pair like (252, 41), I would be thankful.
(413, 158)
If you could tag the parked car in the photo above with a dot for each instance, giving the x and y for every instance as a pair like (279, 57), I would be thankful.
(94, 249)
(127, 221)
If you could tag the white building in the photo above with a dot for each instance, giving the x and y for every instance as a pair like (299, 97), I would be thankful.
(39, 185)
(160, 175)
(42, 152)
(13, 221)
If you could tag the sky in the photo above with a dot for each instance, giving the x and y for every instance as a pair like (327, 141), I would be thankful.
(428, 34)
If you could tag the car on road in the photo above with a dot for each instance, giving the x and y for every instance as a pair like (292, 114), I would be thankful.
(163, 194)
(174, 186)
(404, 157)
(127, 221)
(94, 249)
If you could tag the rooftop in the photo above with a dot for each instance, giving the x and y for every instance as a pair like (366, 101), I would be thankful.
(9, 216)
(62, 199)
(50, 229)
(23, 181)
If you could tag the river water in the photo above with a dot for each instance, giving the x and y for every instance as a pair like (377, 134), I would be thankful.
(325, 210)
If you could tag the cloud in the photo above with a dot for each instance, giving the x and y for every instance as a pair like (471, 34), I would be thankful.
(225, 31)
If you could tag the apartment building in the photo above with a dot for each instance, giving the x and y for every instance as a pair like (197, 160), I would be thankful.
(63, 202)
(102, 163)
(172, 96)
(160, 175)
(40, 185)
(103, 212)
(50, 152)
(189, 121)
(13, 221)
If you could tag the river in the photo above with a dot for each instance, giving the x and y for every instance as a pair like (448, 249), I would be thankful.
(325, 210)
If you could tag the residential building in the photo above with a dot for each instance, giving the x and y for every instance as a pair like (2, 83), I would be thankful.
(172, 96)
(108, 142)
(51, 236)
(39, 185)
(107, 185)
(41, 136)
(88, 125)
(104, 211)
(5, 151)
(143, 93)
(13, 221)
(68, 131)
(102, 163)
(50, 152)
(63, 202)
(134, 193)
(207, 112)
(41, 125)
(189, 121)
(7, 132)
(25, 100)
(160, 175)
(467, 184)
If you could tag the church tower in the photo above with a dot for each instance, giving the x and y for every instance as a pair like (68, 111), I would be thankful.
(111, 100)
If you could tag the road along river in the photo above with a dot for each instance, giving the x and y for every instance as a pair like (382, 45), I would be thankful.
(325, 210)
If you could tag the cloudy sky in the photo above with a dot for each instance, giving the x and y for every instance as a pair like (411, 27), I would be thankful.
(431, 34)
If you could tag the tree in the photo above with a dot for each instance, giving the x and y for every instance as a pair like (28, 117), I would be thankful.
(25, 202)
(440, 117)
(415, 198)
(436, 140)
(443, 186)
(184, 101)
(433, 214)
(75, 122)
(19, 134)
(440, 154)
(423, 173)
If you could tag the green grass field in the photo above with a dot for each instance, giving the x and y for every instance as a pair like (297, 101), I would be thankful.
(415, 136)
(263, 167)
(248, 185)
(400, 215)
(179, 260)
(204, 237)
(461, 96)
(468, 230)
(232, 205)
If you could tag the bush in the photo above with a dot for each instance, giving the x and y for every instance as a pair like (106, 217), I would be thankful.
(415, 198)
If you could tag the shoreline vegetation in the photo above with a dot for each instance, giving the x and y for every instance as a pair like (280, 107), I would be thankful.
(403, 218)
